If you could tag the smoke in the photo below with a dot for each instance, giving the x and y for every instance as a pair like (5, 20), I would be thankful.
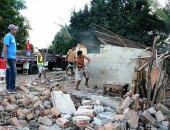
(89, 39)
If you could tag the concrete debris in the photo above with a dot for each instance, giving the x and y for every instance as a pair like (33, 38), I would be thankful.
(85, 112)
(1, 108)
(97, 121)
(159, 116)
(45, 120)
(62, 102)
(86, 102)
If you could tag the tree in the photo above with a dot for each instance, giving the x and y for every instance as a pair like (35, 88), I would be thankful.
(62, 41)
(164, 14)
(132, 19)
(9, 14)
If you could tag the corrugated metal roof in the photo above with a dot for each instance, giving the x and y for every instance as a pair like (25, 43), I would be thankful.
(107, 37)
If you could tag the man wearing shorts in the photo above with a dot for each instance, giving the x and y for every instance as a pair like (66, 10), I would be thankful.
(81, 68)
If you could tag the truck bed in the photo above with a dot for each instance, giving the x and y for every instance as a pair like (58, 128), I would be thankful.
(50, 58)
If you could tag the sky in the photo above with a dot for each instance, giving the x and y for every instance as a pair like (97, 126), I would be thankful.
(45, 16)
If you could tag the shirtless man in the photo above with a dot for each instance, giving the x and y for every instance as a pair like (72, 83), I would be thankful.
(70, 59)
(82, 71)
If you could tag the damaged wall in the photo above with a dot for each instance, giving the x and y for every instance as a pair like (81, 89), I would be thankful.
(113, 64)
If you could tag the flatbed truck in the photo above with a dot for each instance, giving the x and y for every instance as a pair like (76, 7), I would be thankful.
(28, 64)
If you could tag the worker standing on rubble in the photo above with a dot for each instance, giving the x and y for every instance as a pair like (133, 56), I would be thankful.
(81, 69)
(40, 64)
(9, 54)
(71, 54)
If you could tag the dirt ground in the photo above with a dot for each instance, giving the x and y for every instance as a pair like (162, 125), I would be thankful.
(68, 82)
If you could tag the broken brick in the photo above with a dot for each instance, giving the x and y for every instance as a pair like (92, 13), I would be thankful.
(19, 112)
(135, 105)
(23, 89)
(46, 93)
(81, 120)
(118, 117)
(55, 112)
(30, 116)
(132, 118)
(35, 99)
(81, 123)
(126, 103)
(43, 98)
(44, 112)
(87, 129)
(25, 101)
(3, 128)
(14, 121)
(5, 104)
(112, 126)
(62, 122)
(37, 104)
(11, 108)
(11, 98)
(13, 114)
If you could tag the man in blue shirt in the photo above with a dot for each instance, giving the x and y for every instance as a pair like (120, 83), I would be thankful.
(9, 54)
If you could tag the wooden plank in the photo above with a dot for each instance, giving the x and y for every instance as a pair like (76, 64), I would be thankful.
(63, 102)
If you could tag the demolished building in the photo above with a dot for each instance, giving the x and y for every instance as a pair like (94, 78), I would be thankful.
(53, 104)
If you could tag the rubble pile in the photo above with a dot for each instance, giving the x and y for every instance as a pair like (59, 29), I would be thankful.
(133, 110)
(34, 108)
(31, 108)
(45, 105)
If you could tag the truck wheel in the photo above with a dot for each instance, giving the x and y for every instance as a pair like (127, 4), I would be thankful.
(33, 69)
(50, 66)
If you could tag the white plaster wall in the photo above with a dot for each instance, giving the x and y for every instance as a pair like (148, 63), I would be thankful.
(113, 64)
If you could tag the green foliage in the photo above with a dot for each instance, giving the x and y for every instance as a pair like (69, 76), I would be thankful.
(9, 14)
(132, 19)
(62, 41)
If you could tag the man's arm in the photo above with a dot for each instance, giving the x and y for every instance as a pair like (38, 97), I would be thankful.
(6, 42)
(88, 59)
(4, 50)
(68, 53)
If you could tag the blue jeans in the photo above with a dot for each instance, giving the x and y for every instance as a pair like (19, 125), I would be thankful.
(28, 53)
(11, 74)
